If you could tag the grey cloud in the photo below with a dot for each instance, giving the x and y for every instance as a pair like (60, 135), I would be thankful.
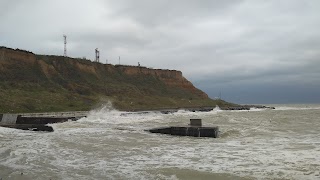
(7, 6)
(157, 13)
(233, 43)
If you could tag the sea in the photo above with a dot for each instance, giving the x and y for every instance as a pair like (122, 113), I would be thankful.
(283, 143)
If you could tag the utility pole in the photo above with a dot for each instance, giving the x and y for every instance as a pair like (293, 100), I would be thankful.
(119, 60)
(65, 45)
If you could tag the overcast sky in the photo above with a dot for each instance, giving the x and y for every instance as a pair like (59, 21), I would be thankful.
(252, 51)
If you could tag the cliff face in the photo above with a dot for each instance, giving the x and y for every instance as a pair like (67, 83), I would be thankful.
(169, 77)
(15, 56)
(90, 80)
(21, 55)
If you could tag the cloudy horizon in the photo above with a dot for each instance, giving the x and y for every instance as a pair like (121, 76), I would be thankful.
(249, 51)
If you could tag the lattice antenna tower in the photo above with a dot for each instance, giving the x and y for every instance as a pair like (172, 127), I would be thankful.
(65, 45)
(97, 55)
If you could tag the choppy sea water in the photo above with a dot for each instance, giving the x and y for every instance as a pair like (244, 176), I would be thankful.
(109, 144)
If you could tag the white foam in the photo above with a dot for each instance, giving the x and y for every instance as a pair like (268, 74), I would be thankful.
(197, 114)
(112, 144)
(217, 108)
(257, 109)
(300, 107)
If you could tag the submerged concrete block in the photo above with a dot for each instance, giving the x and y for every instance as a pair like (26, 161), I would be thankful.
(209, 132)
(164, 130)
(40, 120)
(188, 131)
(192, 131)
(195, 122)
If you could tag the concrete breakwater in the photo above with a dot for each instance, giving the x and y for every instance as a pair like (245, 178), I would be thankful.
(38, 121)
(194, 129)
(188, 131)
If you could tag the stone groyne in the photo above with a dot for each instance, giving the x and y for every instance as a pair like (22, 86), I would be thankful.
(38, 121)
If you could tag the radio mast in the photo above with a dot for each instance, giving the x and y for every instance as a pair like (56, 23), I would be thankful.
(97, 55)
(65, 46)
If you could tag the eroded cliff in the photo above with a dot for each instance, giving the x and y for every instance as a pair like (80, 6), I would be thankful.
(49, 83)
(169, 77)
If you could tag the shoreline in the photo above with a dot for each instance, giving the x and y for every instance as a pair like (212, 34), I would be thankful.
(203, 109)
(192, 109)
(40, 121)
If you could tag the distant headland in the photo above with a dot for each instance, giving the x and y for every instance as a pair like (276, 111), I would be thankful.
(47, 83)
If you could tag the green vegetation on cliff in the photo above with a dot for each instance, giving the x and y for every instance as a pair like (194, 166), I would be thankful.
(41, 83)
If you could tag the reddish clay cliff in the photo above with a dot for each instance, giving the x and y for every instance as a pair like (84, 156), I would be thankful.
(169, 77)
